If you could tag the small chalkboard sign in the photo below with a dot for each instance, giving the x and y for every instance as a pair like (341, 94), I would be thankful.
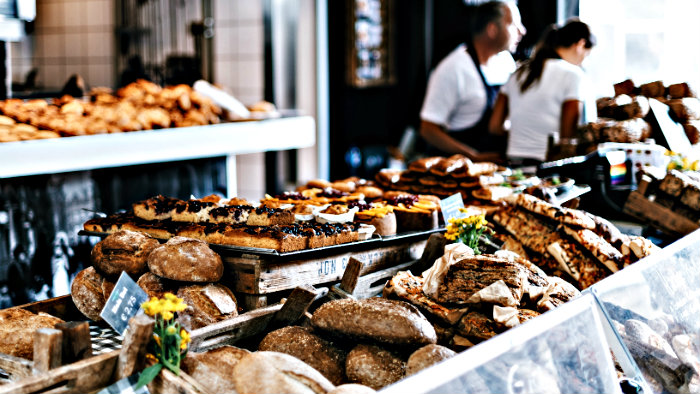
(450, 207)
(667, 132)
(123, 304)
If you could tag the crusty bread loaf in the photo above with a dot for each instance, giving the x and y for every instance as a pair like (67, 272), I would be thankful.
(301, 343)
(377, 319)
(186, 259)
(373, 366)
(206, 304)
(427, 356)
(652, 89)
(680, 90)
(17, 328)
(352, 388)
(273, 372)
(154, 285)
(213, 368)
(123, 251)
(87, 293)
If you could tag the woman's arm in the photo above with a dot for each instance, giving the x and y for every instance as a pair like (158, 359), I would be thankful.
(570, 115)
(499, 115)
(436, 136)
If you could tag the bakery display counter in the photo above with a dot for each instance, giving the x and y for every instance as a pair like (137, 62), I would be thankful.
(562, 351)
(80, 153)
(654, 309)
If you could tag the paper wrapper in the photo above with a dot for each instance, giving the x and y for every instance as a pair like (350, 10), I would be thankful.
(497, 292)
(506, 316)
(436, 274)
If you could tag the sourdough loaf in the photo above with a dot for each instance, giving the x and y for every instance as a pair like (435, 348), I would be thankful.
(154, 285)
(213, 368)
(206, 304)
(301, 343)
(87, 293)
(352, 388)
(17, 328)
(375, 319)
(186, 259)
(427, 356)
(273, 372)
(373, 366)
(123, 251)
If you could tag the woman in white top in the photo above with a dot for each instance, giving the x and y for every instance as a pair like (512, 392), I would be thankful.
(545, 95)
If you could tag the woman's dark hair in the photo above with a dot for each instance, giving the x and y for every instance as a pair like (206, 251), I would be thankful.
(553, 38)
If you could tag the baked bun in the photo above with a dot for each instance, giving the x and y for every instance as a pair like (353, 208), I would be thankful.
(301, 343)
(206, 304)
(373, 366)
(370, 192)
(318, 183)
(273, 372)
(88, 296)
(154, 285)
(17, 328)
(187, 260)
(344, 186)
(427, 356)
(376, 319)
(124, 250)
(213, 368)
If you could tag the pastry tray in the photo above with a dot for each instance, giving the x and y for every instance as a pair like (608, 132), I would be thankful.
(375, 241)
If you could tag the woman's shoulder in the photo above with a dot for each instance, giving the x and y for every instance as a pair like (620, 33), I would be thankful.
(561, 66)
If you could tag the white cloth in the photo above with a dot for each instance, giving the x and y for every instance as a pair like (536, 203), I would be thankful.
(455, 97)
(536, 114)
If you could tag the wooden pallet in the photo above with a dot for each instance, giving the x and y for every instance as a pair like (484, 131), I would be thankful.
(640, 205)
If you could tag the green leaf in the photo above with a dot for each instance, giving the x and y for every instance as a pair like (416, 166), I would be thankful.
(148, 375)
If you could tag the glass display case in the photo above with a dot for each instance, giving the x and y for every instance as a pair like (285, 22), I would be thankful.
(562, 351)
(653, 307)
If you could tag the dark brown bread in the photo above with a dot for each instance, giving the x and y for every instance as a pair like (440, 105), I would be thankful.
(273, 372)
(301, 343)
(427, 356)
(206, 304)
(624, 87)
(373, 366)
(652, 89)
(352, 388)
(123, 251)
(376, 319)
(187, 260)
(213, 368)
(680, 90)
(87, 293)
(17, 328)
(154, 285)
(476, 327)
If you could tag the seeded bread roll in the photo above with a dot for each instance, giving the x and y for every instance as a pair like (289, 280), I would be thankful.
(213, 368)
(375, 319)
(427, 356)
(206, 304)
(87, 293)
(187, 260)
(373, 366)
(273, 372)
(17, 328)
(123, 251)
(301, 343)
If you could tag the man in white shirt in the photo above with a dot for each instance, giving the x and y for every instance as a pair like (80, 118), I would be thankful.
(463, 87)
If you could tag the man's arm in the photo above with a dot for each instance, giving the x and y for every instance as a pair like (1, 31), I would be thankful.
(570, 114)
(499, 116)
(436, 136)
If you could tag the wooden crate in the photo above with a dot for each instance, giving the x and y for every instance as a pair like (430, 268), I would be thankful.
(640, 205)
(260, 275)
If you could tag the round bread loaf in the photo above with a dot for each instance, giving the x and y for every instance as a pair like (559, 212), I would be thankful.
(124, 250)
(301, 343)
(376, 319)
(86, 291)
(371, 192)
(154, 285)
(17, 327)
(206, 304)
(318, 183)
(273, 372)
(187, 260)
(352, 388)
(427, 356)
(373, 366)
(213, 368)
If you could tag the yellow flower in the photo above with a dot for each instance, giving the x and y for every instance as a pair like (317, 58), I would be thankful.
(171, 330)
(167, 315)
(170, 296)
(185, 339)
(695, 165)
(156, 337)
(151, 357)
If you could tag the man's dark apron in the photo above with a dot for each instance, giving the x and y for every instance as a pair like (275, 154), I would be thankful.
(478, 136)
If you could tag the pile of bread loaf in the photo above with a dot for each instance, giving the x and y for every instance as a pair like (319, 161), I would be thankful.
(182, 266)
(347, 346)
(141, 105)
(621, 116)
(680, 192)
(310, 218)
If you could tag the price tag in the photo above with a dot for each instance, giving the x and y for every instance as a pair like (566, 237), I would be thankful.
(124, 303)
(450, 207)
